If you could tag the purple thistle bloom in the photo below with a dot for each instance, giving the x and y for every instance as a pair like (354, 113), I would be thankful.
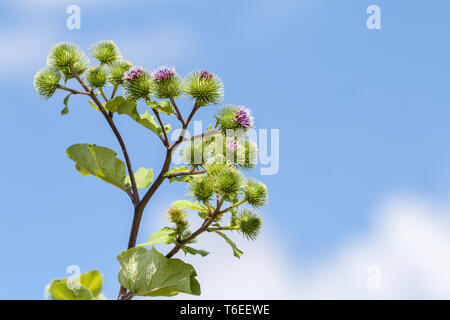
(231, 145)
(163, 72)
(206, 75)
(133, 73)
(244, 117)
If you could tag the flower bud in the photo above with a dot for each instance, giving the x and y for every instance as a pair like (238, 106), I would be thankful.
(202, 188)
(97, 77)
(206, 88)
(256, 193)
(229, 181)
(248, 223)
(137, 83)
(64, 54)
(167, 83)
(46, 82)
(117, 71)
(231, 117)
(106, 52)
(178, 217)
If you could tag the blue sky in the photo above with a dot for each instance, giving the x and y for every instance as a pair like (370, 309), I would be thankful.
(363, 115)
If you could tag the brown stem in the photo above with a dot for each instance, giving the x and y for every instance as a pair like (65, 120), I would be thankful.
(72, 90)
(166, 138)
(116, 133)
(184, 173)
(178, 113)
(204, 227)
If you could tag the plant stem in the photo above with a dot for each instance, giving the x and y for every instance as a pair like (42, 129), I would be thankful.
(115, 131)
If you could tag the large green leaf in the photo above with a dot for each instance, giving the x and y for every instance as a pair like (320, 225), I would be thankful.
(100, 162)
(237, 253)
(129, 107)
(162, 236)
(87, 287)
(143, 178)
(148, 273)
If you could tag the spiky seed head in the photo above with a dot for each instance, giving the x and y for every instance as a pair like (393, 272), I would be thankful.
(117, 71)
(80, 67)
(225, 118)
(140, 87)
(97, 77)
(249, 223)
(215, 168)
(204, 87)
(106, 52)
(46, 82)
(178, 217)
(229, 181)
(256, 193)
(64, 54)
(202, 188)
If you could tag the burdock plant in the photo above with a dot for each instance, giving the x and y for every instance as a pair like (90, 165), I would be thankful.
(213, 167)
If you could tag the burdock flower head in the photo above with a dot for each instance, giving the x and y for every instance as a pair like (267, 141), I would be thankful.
(133, 73)
(206, 75)
(163, 73)
(168, 83)
(244, 117)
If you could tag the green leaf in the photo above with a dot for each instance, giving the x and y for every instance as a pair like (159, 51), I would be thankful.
(193, 251)
(143, 178)
(237, 253)
(66, 108)
(163, 106)
(162, 236)
(92, 104)
(181, 178)
(129, 107)
(186, 204)
(100, 162)
(93, 281)
(148, 273)
(87, 287)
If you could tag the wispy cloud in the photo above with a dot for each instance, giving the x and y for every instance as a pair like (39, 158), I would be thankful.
(409, 242)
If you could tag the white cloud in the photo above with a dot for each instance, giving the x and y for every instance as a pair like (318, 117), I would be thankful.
(409, 241)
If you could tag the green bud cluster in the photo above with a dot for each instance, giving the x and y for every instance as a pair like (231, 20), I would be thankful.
(116, 71)
(170, 87)
(97, 77)
(46, 82)
(202, 187)
(204, 90)
(248, 223)
(225, 118)
(106, 52)
(64, 54)
(229, 182)
(256, 193)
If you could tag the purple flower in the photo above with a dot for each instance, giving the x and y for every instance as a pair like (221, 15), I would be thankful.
(231, 144)
(206, 75)
(133, 73)
(244, 117)
(163, 72)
